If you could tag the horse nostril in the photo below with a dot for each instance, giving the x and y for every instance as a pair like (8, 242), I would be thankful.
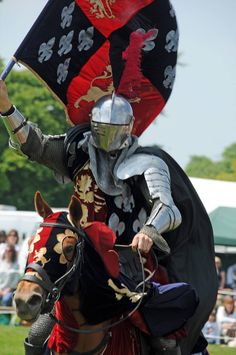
(34, 300)
(17, 302)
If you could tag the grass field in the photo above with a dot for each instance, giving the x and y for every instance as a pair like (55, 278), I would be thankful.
(12, 339)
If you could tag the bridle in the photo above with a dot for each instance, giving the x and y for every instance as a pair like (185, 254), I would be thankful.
(54, 289)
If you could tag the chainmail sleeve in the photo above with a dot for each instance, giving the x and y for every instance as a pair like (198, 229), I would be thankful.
(46, 150)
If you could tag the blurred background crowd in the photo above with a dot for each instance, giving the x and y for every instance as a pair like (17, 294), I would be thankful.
(221, 325)
(12, 263)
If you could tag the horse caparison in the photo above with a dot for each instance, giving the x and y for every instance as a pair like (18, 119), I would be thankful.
(57, 256)
(100, 302)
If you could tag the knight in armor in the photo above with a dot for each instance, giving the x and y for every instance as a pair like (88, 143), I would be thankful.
(139, 192)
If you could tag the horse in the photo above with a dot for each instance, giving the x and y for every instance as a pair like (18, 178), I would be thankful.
(74, 274)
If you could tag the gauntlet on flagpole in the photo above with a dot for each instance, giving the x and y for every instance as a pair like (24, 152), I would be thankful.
(14, 121)
(17, 127)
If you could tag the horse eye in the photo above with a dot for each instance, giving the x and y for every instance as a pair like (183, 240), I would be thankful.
(69, 252)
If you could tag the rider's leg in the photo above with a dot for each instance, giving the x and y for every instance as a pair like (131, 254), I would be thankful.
(164, 346)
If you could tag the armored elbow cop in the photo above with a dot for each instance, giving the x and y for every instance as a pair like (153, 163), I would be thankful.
(17, 128)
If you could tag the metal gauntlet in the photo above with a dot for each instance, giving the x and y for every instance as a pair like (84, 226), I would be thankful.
(164, 218)
(17, 127)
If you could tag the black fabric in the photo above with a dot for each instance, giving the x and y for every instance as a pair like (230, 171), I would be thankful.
(75, 157)
(49, 28)
(97, 299)
(165, 307)
(129, 216)
(192, 246)
(169, 307)
(200, 345)
(154, 62)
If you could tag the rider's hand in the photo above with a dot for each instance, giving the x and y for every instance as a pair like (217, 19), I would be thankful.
(142, 242)
(5, 103)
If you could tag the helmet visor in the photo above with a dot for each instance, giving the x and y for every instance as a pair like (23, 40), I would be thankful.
(110, 137)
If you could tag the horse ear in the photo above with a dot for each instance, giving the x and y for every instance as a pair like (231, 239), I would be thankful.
(41, 206)
(75, 210)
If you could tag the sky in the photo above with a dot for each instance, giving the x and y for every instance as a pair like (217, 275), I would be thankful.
(200, 116)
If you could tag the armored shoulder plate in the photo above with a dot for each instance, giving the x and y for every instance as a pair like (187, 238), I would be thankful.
(155, 171)
(137, 164)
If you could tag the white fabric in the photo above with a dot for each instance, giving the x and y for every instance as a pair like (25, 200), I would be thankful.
(3, 247)
(223, 317)
(211, 330)
(9, 275)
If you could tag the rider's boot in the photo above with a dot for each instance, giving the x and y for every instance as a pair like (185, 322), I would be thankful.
(164, 346)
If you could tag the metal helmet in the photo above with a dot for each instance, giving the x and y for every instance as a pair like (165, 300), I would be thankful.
(111, 122)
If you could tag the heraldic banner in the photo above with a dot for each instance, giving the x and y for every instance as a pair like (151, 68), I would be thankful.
(84, 49)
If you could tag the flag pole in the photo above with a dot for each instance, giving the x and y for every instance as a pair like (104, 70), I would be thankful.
(7, 69)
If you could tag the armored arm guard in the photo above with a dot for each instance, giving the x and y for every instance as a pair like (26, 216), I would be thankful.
(156, 188)
(27, 139)
(164, 216)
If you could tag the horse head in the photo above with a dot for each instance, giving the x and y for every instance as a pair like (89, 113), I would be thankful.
(52, 251)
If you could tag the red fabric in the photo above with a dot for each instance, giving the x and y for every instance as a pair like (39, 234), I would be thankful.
(132, 75)
(137, 320)
(178, 334)
(95, 78)
(40, 243)
(103, 239)
(109, 15)
(160, 274)
(147, 106)
(61, 339)
(91, 197)
(84, 92)
(93, 82)
(123, 340)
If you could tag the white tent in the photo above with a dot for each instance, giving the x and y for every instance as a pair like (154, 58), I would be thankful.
(215, 193)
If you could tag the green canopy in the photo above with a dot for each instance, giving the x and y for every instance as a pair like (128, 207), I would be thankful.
(223, 221)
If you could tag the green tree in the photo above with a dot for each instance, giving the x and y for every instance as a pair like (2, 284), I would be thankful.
(19, 177)
(224, 169)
